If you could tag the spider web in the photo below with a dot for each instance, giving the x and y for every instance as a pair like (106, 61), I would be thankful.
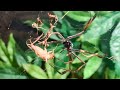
(12, 22)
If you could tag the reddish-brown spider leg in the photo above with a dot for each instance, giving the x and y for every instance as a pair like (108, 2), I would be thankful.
(44, 42)
(80, 61)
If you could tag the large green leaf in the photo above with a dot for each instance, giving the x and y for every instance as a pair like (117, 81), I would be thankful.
(91, 67)
(99, 27)
(61, 76)
(117, 69)
(10, 76)
(115, 48)
(8, 72)
(109, 74)
(115, 43)
(50, 69)
(5, 68)
(59, 15)
(85, 15)
(78, 15)
(11, 47)
(4, 57)
(35, 71)
(3, 46)
(19, 59)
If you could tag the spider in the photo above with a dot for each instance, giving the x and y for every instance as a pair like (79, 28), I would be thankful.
(68, 44)
(69, 47)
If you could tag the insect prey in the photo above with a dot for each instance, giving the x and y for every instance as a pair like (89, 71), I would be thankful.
(42, 53)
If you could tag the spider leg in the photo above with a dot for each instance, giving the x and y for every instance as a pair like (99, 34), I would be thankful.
(78, 57)
(79, 68)
(84, 52)
(37, 39)
(46, 38)
(54, 42)
(58, 35)
(65, 70)
(80, 61)
(92, 54)
(84, 29)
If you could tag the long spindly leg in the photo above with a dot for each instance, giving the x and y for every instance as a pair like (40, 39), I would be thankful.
(96, 54)
(47, 43)
(84, 52)
(70, 60)
(56, 69)
(58, 35)
(79, 68)
(38, 38)
(78, 57)
(84, 29)
(91, 54)
(61, 68)
(70, 64)
(80, 61)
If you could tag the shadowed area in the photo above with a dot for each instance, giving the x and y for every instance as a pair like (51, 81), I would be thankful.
(11, 22)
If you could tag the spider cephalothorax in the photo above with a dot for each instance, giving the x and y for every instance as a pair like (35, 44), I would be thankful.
(68, 45)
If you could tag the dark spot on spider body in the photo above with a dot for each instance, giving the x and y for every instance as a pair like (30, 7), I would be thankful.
(68, 45)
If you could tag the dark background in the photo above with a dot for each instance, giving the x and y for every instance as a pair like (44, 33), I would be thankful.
(14, 21)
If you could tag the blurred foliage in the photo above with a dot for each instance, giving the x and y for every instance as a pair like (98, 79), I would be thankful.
(16, 64)
(102, 36)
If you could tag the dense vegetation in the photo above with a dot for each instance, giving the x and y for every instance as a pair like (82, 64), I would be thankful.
(102, 37)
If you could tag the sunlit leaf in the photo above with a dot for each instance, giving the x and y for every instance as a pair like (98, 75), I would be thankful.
(5, 68)
(91, 67)
(35, 71)
(78, 15)
(61, 76)
(99, 27)
(19, 59)
(109, 74)
(115, 43)
(59, 15)
(11, 47)
(10, 76)
(4, 57)
(29, 22)
(117, 69)
(115, 48)
(49, 69)
(3, 46)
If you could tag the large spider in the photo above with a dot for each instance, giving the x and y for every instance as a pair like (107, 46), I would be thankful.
(68, 44)
(69, 47)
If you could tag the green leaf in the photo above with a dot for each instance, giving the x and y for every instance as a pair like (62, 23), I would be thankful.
(115, 48)
(11, 47)
(11, 76)
(81, 56)
(29, 22)
(61, 76)
(117, 69)
(59, 15)
(3, 46)
(78, 15)
(19, 59)
(35, 71)
(91, 67)
(8, 72)
(49, 69)
(4, 68)
(99, 27)
(115, 43)
(4, 57)
(109, 74)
